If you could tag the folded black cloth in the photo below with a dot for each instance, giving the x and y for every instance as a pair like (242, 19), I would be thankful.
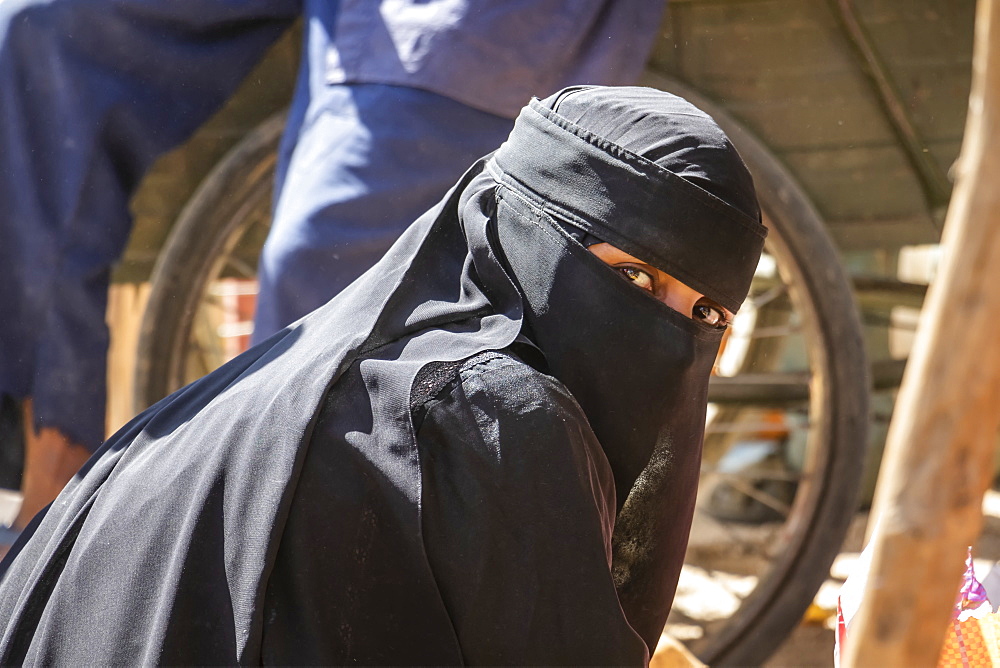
(11, 443)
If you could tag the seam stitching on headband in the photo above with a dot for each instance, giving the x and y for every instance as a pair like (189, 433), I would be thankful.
(553, 230)
(644, 166)
(698, 330)
(547, 208)
(688, 279)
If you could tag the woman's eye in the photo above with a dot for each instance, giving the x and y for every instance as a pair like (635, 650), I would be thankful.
(710, 315)
(637, 276)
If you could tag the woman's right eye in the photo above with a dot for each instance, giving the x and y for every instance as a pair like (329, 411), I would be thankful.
(639, 277)
(710, 314)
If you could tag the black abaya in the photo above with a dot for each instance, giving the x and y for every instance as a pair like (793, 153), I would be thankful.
(441, 464)
(507, 563)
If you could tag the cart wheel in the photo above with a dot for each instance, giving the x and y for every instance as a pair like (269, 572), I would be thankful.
(792, 384)
(211, 254)
(784, 447)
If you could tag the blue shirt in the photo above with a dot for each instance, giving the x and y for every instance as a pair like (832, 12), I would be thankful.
(493, 56)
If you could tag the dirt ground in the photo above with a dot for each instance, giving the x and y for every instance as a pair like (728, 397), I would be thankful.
(812, 642)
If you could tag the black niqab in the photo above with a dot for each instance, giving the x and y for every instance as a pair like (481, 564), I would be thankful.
(169, 536)
(639, 369)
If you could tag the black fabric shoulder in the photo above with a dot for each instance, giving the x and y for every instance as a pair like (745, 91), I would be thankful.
(517, 514)
(437, 379)
(430, 381)
(517, 420)
(516, 384)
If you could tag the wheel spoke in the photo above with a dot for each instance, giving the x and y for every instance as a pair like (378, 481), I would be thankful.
(769, 295)
(760, 388)
(732, 547)
(751, 428)
(243, 268)
(776, 331)
(212, 300)
(757, 474)
(749, 490)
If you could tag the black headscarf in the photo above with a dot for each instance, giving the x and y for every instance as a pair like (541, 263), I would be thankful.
(189, 501)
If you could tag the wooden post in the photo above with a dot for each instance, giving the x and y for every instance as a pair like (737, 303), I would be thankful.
(939, 451)
(126, 304)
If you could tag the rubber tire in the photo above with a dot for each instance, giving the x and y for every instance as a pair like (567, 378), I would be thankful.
(837, 355)
(241, 182)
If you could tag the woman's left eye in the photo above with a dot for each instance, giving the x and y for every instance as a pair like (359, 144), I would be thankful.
(637, 276)
(710, 315)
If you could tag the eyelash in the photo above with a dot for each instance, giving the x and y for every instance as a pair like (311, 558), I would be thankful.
(633, 273)
(723, 320)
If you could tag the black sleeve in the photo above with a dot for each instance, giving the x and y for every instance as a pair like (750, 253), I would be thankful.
(518, 508)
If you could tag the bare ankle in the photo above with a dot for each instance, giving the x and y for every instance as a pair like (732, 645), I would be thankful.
(51, 460)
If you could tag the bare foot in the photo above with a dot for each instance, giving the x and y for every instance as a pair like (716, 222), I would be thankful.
(50, 461)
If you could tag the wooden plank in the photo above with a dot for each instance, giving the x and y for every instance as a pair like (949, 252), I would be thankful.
(786, 72)
(734, 35)
(881, 233)
(747, 38)
(946, 153)
(932, 93)
(784, 69)
(126, 304)
(780, 55)
(859, 182)
(818, 115)
(927, 47)
(926, 26)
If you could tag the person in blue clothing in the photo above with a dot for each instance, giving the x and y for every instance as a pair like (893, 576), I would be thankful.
(396, 96)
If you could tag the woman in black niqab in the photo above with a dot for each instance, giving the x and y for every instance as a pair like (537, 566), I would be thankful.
(430, 468)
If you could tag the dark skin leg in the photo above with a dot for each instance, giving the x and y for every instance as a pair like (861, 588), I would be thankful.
(50, 461)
